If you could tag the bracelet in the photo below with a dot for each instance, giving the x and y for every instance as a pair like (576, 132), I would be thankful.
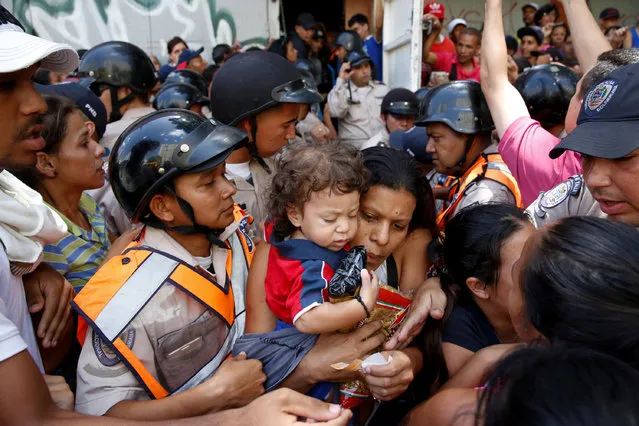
(359, 299)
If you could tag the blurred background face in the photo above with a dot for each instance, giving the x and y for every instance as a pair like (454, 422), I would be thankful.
(291, 52)
(361, 30)
(528, 15)
(156, 63)
(317, 44)
(558, 36)
(528, 44)
(607, 23)
(454, 36)
(361, 74)
(467, 48)
(396, 122)
(176, 52)
(197, 64)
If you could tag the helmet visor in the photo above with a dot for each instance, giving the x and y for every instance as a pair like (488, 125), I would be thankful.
(300, 91)
(207, 146)
(402, 108)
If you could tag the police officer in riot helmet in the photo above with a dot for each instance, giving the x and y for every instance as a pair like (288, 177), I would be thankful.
(347, 42)
(547, 90)
(123, 75)
(181, 95)
(186, 76)
(398, 112)
(459, 127)
(267, 106)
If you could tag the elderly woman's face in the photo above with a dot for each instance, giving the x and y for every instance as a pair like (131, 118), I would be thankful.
(384, 216)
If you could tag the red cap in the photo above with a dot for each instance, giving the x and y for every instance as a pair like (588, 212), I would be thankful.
(436, 9)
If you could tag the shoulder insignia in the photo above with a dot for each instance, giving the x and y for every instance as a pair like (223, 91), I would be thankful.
(242, 227)
(105, 354)
(557, 195)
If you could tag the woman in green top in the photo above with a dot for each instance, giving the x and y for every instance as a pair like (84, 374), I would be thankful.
(70, 163)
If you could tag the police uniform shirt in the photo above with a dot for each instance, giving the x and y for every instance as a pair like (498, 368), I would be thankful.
(104, 381)
(380, 139)
(115, 129)
(359, 114)
(486, 191)
(252, 193)
(570, 198)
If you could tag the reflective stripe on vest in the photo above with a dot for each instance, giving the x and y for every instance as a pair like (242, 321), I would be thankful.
(123, 286)
(487, 166)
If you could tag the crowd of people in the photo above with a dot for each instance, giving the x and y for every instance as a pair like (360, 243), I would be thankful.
(280, 238)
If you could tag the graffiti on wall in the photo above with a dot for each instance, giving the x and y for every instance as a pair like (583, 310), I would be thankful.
(146, 23)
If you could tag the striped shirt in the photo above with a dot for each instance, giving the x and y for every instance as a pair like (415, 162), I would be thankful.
(80, 253)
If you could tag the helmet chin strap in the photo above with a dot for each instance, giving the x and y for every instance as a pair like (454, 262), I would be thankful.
(212, 235)
(457, 168)
(251, 145)
(117, 104)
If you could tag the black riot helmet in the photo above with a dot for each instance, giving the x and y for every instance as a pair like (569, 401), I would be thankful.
(253, 82)
(179, 95)
(459, 104)
(350, 40)
(401, 102)
(421, 93)
(547, 90)
(310, 67)
(117, 64)
(186, 76)
(157, 148)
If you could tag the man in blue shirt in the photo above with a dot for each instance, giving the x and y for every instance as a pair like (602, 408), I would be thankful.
(359, 23)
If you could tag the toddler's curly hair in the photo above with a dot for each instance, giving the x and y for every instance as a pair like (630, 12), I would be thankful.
(306, 168)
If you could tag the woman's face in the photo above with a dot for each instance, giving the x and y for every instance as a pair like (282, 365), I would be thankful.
(176, 52)
(384, 216)
(510, 252)
(78, 162)
(516, 308)
(558, 36)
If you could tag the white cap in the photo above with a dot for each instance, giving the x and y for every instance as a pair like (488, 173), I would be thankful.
(19, 50)
(458, 21)
(530, 4)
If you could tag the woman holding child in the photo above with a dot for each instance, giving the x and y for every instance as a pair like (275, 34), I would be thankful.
(390, 213)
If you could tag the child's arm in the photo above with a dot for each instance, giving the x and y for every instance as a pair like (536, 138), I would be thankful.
(329, 317)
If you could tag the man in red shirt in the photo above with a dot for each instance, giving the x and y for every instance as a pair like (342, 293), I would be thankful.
(460, 65)
(441, 43)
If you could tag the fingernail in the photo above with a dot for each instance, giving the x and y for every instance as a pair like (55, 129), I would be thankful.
(335, 409)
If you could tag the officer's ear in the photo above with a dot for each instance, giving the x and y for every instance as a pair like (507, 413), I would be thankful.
(295, 215)
(478, 288)
(245, 125)
(161, 205)
(383, 117)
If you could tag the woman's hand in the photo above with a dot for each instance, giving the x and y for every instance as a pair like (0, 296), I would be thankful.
(387, 382)
(429, 300)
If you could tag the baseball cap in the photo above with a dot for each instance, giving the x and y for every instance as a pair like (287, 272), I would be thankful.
(318, 34)
(555, 54)
(19, 50)
(531, 31)
(457, 21)
(357, 57)
(306, 20)
(187, 55)
(436, 9)
(608, 122)
(609, 13)
(84, 99)
(414, 142)
(530, 4)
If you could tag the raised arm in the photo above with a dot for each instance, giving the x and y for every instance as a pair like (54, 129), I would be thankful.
(378, 20)
(505, 103)
(428, 56)
(587, 38)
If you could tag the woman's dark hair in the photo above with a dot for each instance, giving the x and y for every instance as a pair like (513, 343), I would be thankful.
(472, 247)
(174, 42)
(560, 387)
(580, 286)
(304, 169)
(397, 170)
(54, 122)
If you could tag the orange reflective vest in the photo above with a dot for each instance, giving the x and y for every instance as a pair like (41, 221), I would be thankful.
(487, 166)
(122, 287)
